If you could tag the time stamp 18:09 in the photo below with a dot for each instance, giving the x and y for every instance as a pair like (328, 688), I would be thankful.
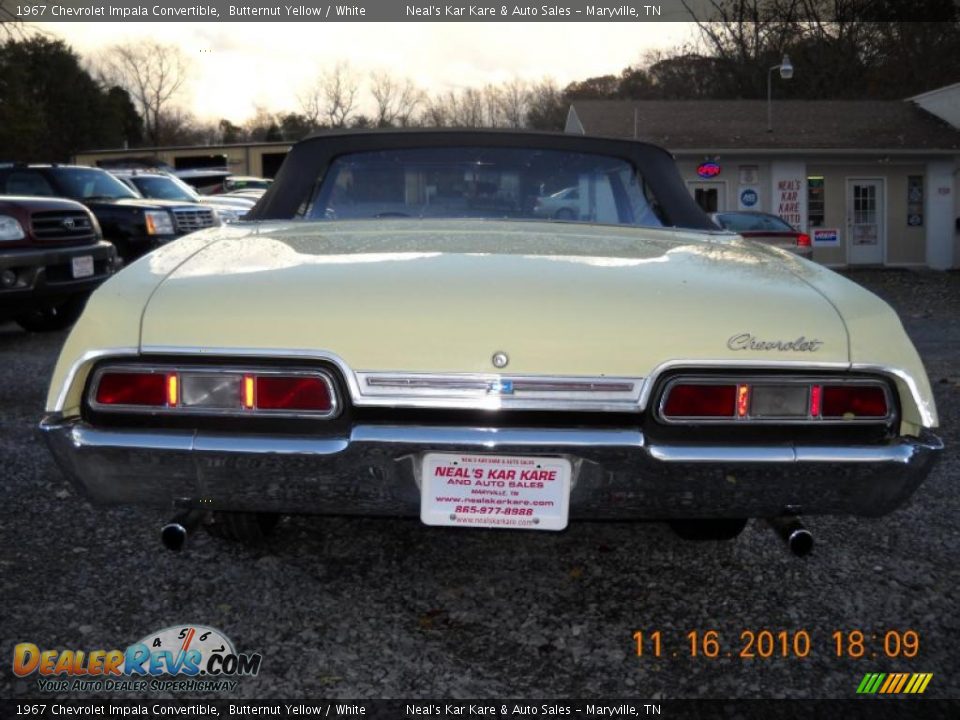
(767, 643)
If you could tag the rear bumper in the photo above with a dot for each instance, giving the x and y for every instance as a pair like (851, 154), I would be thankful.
(374, 471)
(46, 273)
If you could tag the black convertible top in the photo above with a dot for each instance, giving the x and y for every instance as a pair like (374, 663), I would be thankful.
(310, 158)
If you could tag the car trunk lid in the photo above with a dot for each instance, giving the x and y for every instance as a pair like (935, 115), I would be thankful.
(445, 296)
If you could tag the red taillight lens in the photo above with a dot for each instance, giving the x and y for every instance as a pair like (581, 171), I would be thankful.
(131, 388)
(292, 393)
(803, 240)
(842, 401)
(695, 400)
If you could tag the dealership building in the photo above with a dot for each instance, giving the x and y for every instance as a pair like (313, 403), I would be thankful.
(872, 182)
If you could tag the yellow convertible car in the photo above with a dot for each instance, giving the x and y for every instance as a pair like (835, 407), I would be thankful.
(397, 330)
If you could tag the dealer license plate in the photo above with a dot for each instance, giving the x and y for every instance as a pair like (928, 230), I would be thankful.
(501, 491)
(83, 266)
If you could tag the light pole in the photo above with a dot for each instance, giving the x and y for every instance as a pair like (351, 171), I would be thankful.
(786, 72)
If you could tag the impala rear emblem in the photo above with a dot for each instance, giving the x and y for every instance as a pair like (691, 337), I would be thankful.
(500, 359)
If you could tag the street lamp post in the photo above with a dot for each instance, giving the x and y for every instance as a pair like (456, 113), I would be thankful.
(786, 72)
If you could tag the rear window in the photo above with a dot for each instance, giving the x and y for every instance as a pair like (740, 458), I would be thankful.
(470, 182)
(744, 222)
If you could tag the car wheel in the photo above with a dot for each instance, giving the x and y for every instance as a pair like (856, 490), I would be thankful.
(52, 318)
(250, 528)
(712, 529)
(563, 214)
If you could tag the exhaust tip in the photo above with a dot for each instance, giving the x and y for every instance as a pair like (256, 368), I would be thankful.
(175, 533)
(174, 536)
(798, 539)
(800, 542)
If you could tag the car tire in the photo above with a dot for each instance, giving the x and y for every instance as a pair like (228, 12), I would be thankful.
(563, 214)
(53, 317)
(708, 529)
(248, 528)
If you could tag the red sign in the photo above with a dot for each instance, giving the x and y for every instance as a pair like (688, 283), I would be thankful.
(708, 169)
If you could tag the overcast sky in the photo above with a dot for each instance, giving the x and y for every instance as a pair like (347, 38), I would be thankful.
(240, 65)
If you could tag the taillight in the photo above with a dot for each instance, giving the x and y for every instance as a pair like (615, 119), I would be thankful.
(853, 401)
(803, 240)
(292, 393)
(773, 400)
(214, 391)
(132, 388)
(700, 401)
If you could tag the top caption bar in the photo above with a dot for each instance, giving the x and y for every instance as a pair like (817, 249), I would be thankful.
(400, 11)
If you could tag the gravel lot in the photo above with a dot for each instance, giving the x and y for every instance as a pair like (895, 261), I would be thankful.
(387, 608)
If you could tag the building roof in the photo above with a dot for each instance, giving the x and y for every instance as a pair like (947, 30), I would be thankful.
(742, 124)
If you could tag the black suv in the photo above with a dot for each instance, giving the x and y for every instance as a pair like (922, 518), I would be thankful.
(51, 257)
(133, 224)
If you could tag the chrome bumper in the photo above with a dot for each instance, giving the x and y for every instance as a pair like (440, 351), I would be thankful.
(374, 470)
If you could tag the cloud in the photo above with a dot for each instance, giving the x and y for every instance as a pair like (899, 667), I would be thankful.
(239, 65)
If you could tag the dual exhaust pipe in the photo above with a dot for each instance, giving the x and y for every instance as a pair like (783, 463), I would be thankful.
(175, 533)
(798, 539)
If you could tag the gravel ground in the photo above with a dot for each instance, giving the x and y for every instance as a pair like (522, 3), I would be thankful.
(386, 608)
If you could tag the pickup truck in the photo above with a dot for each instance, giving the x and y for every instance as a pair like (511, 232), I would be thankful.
(135, 225)
(52, 256)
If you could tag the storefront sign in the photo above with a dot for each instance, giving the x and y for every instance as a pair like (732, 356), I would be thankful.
(749, 174)
(708, 169)
(826, 237)
(786, 200)
(748, 199)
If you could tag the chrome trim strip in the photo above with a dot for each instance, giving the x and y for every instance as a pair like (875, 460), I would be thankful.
(87, 357)
(519, 383)
(267, 445)
(494, 392)
(486, 438)
(927, 414)
(718, 454)
(182, 410)
(496, 437)
(83, 435)
(895, 453)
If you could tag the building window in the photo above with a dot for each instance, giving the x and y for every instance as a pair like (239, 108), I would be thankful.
(707, 198)
(815, 214)
(915, 200)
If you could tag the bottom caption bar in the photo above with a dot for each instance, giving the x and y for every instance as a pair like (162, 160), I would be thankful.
(479, 709)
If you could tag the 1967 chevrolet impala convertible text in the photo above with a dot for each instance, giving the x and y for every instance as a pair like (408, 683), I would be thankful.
(399, 329)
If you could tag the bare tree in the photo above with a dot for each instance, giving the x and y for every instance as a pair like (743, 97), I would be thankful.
(311, 104)
(438, 111)
(153, 74)
(332, 99)
(396, 100)
(515, 103)
(546, 106)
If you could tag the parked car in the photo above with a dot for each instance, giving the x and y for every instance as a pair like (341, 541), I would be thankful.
(766, 228)
(52, 256)
(561, 205)
(395, 336)
(134, 225)
(244, 182)
(163, 186)
(215, 181)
